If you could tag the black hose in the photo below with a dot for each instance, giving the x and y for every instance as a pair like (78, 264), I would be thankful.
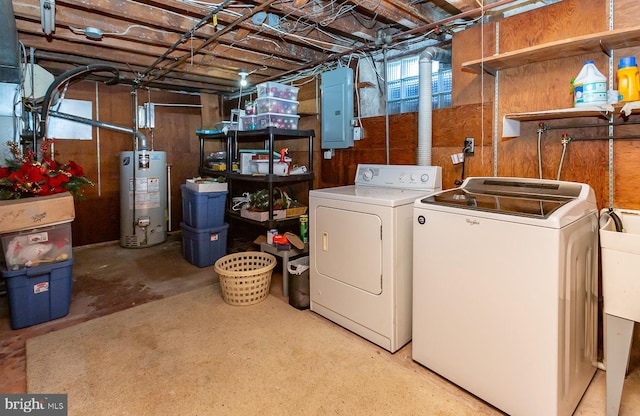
(68, 76)
(616, 220)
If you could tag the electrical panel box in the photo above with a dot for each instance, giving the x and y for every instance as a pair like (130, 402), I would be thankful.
(337, 108)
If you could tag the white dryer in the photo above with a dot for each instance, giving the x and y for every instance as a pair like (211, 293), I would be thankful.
(505, 291)
(360, 250)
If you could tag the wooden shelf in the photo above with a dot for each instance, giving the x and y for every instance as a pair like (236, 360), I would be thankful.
(586, 111)
(511, 121)
(580, 45)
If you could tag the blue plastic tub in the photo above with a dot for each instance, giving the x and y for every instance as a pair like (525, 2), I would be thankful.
(203, 247)
(203, 209)
(39, 294)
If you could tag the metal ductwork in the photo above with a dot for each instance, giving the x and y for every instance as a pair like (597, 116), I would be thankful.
(9, 46)
(425, 103)
(68, 76)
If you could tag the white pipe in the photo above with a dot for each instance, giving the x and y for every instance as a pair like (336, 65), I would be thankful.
(168, 197)
(425, 107)
(386, 108)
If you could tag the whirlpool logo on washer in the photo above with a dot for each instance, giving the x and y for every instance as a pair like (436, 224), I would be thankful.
(472, 222)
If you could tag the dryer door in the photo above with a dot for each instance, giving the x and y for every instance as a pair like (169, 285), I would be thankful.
(349, 247)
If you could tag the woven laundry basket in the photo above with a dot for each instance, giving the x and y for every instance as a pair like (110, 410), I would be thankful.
(245, 277)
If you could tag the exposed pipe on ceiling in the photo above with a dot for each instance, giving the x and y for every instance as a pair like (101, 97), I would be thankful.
(141, 140)
(396, 37)
(197, 49)
(184, 37)
(425, 103)
(67, 77)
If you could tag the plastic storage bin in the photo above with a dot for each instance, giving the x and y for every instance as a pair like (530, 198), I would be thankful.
(276, 105)
(279, 168)
(248, 123)
(202, 247)
(39, 294)
(281, 121)
(202, 209)
(274, 89)
(38, 246)
(299, 282)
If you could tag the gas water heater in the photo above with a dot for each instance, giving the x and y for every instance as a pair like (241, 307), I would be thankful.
(143, 198)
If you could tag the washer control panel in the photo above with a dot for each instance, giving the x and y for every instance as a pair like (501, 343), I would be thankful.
(400, 176)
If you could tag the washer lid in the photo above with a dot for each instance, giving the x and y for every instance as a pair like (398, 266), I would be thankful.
(525, 197)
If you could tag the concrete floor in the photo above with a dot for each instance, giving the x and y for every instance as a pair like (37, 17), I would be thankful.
(108, 278)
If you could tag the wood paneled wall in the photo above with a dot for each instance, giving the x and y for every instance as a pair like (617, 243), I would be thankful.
(535, 87)
(98, 215)
(475, 113)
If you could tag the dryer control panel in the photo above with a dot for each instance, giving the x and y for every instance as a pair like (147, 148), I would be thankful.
(400, 176)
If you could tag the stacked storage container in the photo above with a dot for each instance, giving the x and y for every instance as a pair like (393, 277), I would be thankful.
(38, 259)
(276, 106)
(204, 232)
(38, 273)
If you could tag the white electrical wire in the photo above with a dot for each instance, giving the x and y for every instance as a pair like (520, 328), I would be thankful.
(313, 42)
(81, 31)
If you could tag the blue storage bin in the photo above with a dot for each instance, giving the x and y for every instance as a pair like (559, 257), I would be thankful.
(203, 247)
(203, 209)
(39, 294)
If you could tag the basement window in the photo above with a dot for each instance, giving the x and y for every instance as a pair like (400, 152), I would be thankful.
(403, 88)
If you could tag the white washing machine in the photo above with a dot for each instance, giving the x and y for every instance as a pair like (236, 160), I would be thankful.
(360, 250)
(505, 291)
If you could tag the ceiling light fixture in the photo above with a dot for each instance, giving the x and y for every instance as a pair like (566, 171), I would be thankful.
(243, 77)
(48, 16)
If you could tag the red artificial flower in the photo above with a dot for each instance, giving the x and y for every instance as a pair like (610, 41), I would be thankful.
(27, 176)
(74, 169)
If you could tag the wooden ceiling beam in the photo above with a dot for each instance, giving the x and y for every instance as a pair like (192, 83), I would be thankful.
(400, 15)
(151, 34)
(58, 64)
(131, 12)
(207, 59)
(131, 59)
(347, 24)
(128, 79)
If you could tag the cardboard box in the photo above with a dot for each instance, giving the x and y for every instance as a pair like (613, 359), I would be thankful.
(206, 185)
(33, 212)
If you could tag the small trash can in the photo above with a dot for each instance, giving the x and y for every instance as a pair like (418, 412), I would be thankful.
(299, 282)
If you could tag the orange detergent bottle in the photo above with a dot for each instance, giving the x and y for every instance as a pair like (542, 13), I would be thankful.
(628, 79)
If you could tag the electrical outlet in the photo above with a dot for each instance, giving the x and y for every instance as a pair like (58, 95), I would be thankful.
(358, 132)
(469, 146)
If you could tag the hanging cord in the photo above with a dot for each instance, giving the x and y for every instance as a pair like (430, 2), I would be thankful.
(565, 141)
(465, 150)
(541, 129)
